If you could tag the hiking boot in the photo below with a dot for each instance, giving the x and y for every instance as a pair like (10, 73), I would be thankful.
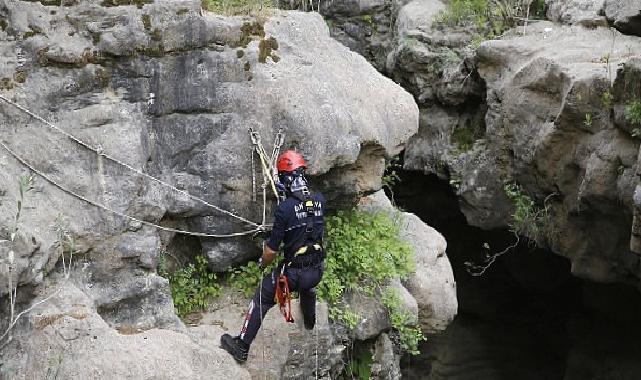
(235, 346)
(310, 321)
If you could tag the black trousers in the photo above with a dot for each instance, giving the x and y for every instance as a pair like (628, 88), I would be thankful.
(301, 280)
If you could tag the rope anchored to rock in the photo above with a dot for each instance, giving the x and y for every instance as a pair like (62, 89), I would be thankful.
(98, 151)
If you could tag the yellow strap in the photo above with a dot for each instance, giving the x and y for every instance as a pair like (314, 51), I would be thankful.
(302, 250)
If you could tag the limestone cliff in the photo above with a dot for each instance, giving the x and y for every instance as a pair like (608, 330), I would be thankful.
(545, 106)
(170, 91)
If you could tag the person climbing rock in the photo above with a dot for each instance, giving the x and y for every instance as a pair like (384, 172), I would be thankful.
(299, 227)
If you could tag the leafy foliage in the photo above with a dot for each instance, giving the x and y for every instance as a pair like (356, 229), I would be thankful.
(464, 138)
(364, 251)
(193, 286)
(390, 176)
(528, 219)
(410, 335)
(491, 17)
(607, 99)
(247, 277)
(360, 366)
(236, 7)
(633, 112)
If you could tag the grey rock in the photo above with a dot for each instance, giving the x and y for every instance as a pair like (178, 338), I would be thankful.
(536, 133)
(290, 351)
(625, 15)
(432, 285)
(417, 15)
(197, 140)
(171, 91)
(69, 340)
(365, 27)
(588, 13)
(386, 364)
(372, 316)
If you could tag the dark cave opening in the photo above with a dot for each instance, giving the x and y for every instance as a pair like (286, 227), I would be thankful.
(527, 317)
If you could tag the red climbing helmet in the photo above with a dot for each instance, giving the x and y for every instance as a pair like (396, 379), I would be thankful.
(290, 160)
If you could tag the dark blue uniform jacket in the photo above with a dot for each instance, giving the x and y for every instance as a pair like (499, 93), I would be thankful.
(290, 217)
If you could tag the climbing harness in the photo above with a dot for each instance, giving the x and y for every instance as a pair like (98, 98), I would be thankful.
(283, 296)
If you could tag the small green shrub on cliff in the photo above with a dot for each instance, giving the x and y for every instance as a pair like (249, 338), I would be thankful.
(360, 365)
(236, 7)
(528, 219)
(246, 278)
(491, 17)
(410, 335)
(364, 251)
(633, 112)
(193, 286)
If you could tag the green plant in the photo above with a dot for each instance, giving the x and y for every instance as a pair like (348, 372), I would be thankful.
(363, 252)
(66, 243)
(490, 18)
(390, 175)
(237, 7)
(588, 120)
(161, 266)
(539, 9)
(633, 112)
(193, 286)
(527, 218)
(455, 183)
(464, 138)
(368, 20)
(246, 278)
(330, 23)
(636, 132)
(360, 366)
(25, 185)
(410, 335)
(607, 99)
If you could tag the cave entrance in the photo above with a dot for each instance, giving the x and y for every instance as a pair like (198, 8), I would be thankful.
(527, 317)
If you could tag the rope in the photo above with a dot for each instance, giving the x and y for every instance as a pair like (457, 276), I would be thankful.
(262, 155)
(99, 152)
(260, 307)
(316, 332)
(253, 176)
(103, 207)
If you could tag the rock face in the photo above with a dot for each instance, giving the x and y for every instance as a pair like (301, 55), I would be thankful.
(625, 15)
(508, 111)
(67, 339)
(432, 285)
(547, 110)
(552, 110)
(373, 318)
(588, 13)
(170, 91)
